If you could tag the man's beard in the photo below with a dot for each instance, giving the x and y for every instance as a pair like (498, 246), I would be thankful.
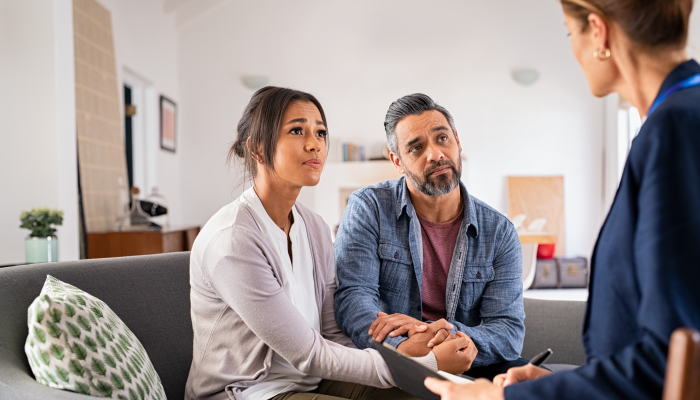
(437, 185)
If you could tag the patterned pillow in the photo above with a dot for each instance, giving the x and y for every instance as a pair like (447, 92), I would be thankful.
(77, 343)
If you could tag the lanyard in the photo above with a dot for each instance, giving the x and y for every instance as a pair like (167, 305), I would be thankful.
(688, 83)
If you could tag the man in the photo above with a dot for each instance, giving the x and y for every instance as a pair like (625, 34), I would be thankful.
(420, 249)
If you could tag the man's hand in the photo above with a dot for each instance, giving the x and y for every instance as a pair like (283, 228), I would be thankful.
(417, 344)
(518, 374)
(456, 355)
(394, 325)
(482, 389)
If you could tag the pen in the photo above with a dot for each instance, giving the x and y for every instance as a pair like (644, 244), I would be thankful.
(541, 358)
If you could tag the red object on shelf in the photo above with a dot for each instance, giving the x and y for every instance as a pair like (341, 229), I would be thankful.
(546, 251)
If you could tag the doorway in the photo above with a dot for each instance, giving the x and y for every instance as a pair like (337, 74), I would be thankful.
(129, 112)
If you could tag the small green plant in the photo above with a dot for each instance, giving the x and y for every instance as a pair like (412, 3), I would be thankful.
(41, 221)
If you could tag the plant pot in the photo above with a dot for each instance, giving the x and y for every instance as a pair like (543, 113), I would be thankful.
(40, 249)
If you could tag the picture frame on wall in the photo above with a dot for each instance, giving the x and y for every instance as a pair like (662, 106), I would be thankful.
(168, 123)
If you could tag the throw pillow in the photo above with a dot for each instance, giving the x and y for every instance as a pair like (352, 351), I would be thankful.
(77, 343)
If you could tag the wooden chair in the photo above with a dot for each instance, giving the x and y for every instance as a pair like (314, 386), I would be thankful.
(683, 366)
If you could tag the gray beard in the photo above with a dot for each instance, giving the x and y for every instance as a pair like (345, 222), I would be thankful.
(440, 186)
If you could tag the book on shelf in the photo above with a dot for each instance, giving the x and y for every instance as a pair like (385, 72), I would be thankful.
(353, 152)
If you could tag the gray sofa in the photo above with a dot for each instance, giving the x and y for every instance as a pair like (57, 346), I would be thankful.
(151, 295)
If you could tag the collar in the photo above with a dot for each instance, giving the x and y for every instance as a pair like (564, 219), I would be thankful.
(405, 205)
(682, 72)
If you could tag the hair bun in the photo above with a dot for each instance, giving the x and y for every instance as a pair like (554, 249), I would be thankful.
(239, 148)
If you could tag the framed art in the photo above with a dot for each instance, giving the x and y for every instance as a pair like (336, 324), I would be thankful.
(168, 123)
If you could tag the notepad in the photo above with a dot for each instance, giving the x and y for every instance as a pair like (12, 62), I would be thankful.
(409, 375)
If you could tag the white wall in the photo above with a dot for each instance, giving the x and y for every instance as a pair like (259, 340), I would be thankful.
(145, 43)
(37, 109)
(694, 33)
(359, 56)
(38, 158)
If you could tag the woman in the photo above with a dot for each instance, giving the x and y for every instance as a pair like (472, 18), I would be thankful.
(645, 265)
(262, 275)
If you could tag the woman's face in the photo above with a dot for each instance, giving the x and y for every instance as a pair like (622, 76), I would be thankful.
(301, 145)
(601, 74)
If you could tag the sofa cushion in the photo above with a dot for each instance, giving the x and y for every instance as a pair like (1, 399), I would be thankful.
(76, 342)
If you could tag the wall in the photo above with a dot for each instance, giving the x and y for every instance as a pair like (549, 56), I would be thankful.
(38, 156)
(358, 57)
(694, 33)
(37, 159)
(145, 44)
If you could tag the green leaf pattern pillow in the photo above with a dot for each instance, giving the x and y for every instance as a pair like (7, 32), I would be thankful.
(77, 343)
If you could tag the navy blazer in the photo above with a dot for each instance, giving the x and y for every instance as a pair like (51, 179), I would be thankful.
(645, 274)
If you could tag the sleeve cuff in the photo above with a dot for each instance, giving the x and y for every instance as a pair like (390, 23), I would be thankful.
(429, 361)
(394, 341)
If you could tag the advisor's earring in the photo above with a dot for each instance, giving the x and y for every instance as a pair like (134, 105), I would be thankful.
(603, 55)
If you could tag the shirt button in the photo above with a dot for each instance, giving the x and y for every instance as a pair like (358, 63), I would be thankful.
(418, 308)
(396, 255)
(478, 275)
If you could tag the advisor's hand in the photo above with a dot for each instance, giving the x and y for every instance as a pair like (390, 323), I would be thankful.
(394, 325)
(482, 389)
(455, 355)
(519, 374)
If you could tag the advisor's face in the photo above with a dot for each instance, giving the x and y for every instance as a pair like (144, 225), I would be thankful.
(429, 153)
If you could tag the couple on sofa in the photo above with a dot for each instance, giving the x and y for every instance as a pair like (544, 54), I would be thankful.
(418, 263)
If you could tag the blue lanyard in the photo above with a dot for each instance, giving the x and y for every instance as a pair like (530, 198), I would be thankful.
(688, 83)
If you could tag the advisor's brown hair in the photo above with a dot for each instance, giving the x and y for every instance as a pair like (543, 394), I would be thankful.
(651, 24)
(261, 123)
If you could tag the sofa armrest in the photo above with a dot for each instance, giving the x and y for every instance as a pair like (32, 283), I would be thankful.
(557, 325)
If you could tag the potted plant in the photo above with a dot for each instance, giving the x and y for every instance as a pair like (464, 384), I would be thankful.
(42, 244)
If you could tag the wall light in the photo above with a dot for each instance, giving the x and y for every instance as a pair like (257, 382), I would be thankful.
(526, 77)
(255, 82)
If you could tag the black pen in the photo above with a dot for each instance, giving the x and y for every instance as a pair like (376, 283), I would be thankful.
(541, 358)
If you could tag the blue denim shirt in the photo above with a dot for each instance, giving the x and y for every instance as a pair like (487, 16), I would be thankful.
(378, 256)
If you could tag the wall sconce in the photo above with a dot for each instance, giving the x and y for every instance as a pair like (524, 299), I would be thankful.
(526, 77)
(254, 82)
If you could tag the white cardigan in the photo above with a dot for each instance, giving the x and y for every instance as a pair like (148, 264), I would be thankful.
(241, 315)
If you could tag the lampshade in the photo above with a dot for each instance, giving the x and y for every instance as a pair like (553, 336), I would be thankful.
(255, 82)
(526, 77)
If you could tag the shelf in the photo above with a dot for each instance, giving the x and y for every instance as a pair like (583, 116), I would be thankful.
(539, 238)
(557, 294)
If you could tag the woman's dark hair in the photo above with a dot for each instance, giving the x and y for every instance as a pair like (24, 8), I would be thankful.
(261, 123)
(648, 23)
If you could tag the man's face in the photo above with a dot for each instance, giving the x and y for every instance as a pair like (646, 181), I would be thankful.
(429, 153)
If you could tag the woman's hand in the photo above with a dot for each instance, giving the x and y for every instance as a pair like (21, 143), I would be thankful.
(519, 374)
(418, 345)
(455, 355)
(482, 389)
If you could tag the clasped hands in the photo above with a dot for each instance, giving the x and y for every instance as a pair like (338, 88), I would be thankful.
(453, 353)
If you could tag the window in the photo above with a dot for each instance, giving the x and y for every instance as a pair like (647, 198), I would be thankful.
(628, 125)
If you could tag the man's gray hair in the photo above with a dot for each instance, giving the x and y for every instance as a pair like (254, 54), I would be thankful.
(413, 104)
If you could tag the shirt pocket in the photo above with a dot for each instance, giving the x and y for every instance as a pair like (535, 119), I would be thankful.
(396, 267)
(474, 280)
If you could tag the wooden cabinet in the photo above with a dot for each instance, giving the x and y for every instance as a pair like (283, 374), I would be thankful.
(137, 243)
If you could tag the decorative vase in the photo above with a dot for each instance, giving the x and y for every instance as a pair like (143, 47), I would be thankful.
(41, 249)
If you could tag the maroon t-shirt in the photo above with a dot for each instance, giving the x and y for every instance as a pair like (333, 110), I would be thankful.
(439, 241)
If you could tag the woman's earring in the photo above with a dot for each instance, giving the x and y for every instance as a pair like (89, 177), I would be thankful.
(602, 55)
